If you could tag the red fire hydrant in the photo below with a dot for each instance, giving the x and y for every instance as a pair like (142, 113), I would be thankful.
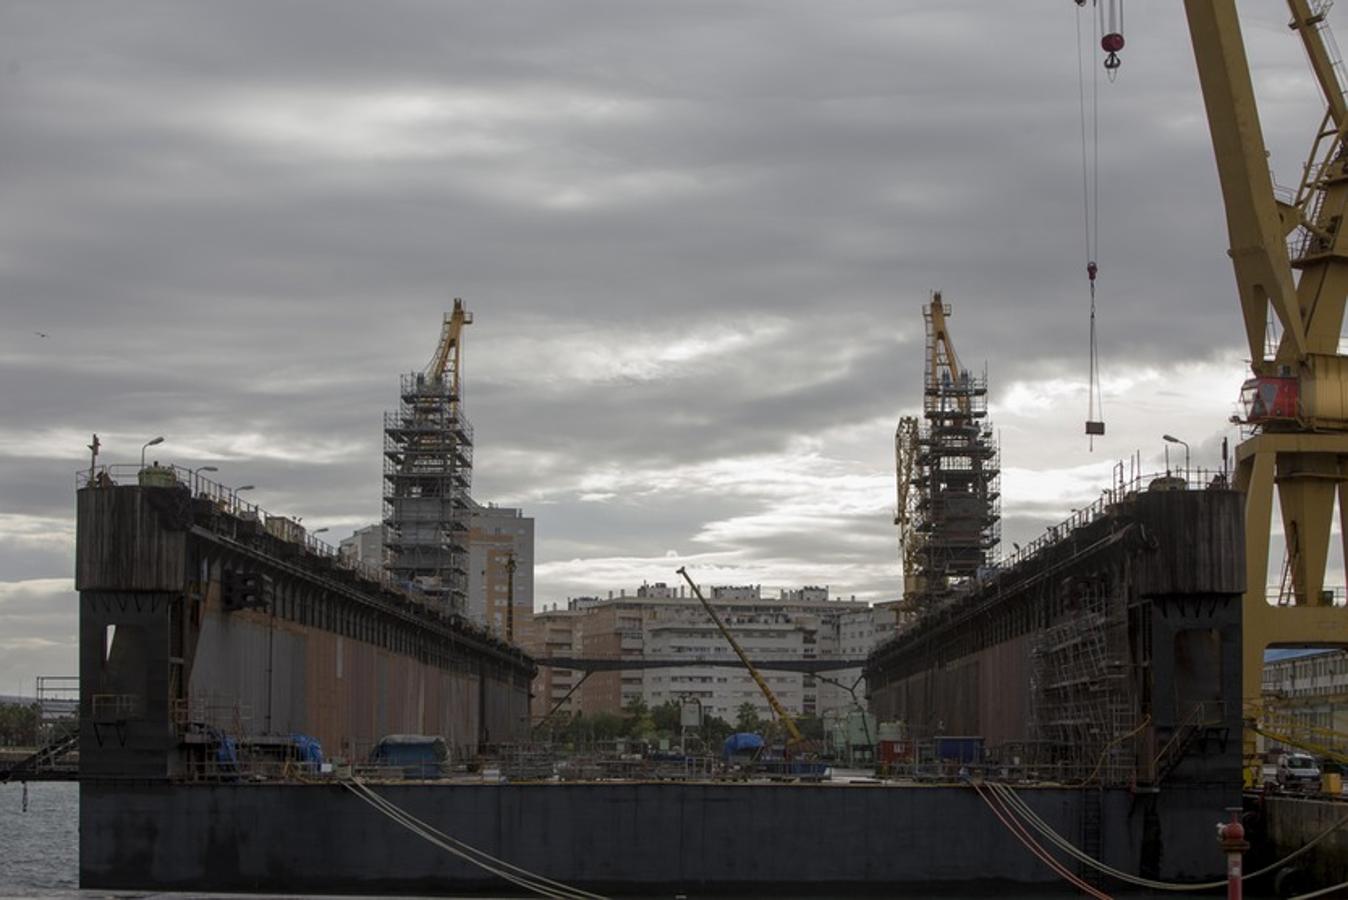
(1231, 835)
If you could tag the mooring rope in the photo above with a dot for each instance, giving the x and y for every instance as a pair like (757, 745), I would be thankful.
(1323, 892)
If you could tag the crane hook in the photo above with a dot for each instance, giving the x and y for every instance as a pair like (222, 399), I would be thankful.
(1112, 43)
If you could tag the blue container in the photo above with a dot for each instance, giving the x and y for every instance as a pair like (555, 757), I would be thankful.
(959, 749)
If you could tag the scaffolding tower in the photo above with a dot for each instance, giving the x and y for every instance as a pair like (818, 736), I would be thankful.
(1083, 705)
(428, 466)
(952, 515)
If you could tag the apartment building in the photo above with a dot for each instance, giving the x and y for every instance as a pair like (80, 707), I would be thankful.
(499, 537)
(664, 622)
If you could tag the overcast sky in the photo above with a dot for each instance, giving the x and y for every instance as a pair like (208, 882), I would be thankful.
(696, 237)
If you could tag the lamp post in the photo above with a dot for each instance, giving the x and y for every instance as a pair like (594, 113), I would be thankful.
(1170, 438)
(147, 445)
(239, 490)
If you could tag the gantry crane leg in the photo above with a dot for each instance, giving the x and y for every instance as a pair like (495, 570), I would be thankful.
(1309, 471)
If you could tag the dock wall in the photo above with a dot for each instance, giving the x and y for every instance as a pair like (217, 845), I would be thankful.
(1291, 824)
(171, 650)
(633, 837)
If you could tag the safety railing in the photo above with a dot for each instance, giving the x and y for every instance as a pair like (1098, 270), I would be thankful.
(230, 502)
(1175, 479)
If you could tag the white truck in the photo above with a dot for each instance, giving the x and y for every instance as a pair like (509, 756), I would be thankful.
(1298, 772)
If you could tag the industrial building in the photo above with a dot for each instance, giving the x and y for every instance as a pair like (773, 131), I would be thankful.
(1306, 694)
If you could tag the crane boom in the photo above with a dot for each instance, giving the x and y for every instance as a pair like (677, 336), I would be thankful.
(787, 720)
(1254, 225)
(942, 363)
(445, 362)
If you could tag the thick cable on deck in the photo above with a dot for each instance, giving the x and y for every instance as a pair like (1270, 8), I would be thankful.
(500, 868)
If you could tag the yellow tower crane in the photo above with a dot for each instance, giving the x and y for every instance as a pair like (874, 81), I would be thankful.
(1296, 400)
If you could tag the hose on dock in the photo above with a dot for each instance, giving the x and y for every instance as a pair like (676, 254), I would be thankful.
(1035, 847)
(480, 858)
(1323, 892)
(1009, 796)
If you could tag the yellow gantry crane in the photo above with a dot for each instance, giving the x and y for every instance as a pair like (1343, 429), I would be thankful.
(791, 729)
(1296, 400)
(1281, 724)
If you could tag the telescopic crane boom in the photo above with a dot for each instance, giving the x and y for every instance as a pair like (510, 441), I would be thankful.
(790, 723)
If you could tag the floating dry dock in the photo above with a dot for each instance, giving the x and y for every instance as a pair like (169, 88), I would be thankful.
(198, 611)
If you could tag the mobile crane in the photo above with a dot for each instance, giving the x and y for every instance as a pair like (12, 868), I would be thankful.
(795, 737)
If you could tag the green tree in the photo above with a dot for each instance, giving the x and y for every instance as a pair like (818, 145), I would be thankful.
(714, 732)
(18, 724)
(637, 722)
(605, 726)
(811, 727)
(666, 718)
(746, 717)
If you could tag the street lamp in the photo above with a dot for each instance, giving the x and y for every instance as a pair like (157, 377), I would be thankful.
(148, 444)
(1170, 438)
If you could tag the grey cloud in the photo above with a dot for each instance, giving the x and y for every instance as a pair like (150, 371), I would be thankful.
(628, 169)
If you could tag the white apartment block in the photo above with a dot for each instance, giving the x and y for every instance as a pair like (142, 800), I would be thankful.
(660, 621)
(366, 545)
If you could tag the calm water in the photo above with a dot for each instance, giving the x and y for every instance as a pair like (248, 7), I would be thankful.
(39, 849)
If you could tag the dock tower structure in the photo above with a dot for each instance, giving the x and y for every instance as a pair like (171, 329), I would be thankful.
(428, 465)
(948, 471)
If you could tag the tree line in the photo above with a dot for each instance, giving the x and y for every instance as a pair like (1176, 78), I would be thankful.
(638, 721)
(19, 724)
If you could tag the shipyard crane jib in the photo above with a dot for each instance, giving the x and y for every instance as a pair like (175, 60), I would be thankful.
(787, 720)
(447, 352)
